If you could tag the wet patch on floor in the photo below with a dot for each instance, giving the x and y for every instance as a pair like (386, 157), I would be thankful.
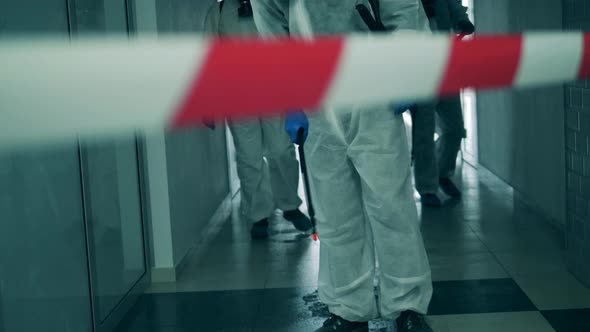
(381, 326)
(315, 306)
(318, 309)
(281, 230)
(289, 237)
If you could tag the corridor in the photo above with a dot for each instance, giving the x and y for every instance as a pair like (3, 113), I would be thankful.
(496, 266)
(128, 129)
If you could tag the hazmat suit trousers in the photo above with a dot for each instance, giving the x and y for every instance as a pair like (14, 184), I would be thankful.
(265, 184)
(432, 162)
(359, 167)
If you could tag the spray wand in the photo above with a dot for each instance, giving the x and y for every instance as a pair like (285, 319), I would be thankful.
(303, 163)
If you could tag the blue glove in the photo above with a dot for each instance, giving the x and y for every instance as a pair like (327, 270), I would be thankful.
(401, 107)
(294, 122)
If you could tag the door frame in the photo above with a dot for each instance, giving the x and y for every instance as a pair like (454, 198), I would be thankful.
(110, 322)
(130, 298)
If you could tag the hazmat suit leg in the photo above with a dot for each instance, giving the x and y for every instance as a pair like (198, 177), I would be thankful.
(425, 163)
(450, 122)
(282, 163)
(380, 155)
(255, 140)
(361, 182)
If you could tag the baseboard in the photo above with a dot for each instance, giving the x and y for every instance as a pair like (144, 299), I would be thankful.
(470, 160)
(119, 313)
(555, 224)
(580, 273)
(235, 188)
(163, 275)
(518, 196)
(210, 231)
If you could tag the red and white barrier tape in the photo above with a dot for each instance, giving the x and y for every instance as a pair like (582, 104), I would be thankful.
(54, 89)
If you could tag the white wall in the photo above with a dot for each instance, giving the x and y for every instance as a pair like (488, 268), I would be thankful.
(160, 232)
(187, 170)
(521, 133)
(160, 227)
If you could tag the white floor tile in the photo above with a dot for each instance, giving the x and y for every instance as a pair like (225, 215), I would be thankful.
(532, 264)
(555, 290)
(469, 266)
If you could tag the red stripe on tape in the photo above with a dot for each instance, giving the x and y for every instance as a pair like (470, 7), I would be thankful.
(242, 78)
(585, 66)
(483, 62)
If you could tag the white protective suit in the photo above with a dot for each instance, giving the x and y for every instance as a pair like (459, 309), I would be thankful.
(432, 162)
(359, 168)
(265, 185)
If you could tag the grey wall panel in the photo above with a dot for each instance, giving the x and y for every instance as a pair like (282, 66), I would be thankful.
(113, 209)
(521, 133)
(577, 17)
(43, 253)
(100, 16)
(198, 182)
(33, 16)
(196, 158)
(43, 261)
(181, 15)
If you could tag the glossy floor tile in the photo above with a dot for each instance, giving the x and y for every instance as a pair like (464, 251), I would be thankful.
(478, 296)
(465, 266)
(531, 321)
(496, 266)
(203, 311)
(576, 320)
(285, 310)
(292, 309)
(293, 273)
(538, 241)
(532, 263)
(556, 290)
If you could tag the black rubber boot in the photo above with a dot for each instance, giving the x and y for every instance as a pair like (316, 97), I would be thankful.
(298, 219)
(339, 324)
(449, 187)
(260, 229)
(431, 200)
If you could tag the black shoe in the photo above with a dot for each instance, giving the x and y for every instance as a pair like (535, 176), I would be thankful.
(298, 219)
(449, 187)
(410, 321)
(260, 229)
(339, 324)
(431, 200)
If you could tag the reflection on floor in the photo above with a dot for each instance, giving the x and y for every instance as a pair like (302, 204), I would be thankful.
(496, 266)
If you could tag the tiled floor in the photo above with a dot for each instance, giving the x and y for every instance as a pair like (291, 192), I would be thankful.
(496, 267)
